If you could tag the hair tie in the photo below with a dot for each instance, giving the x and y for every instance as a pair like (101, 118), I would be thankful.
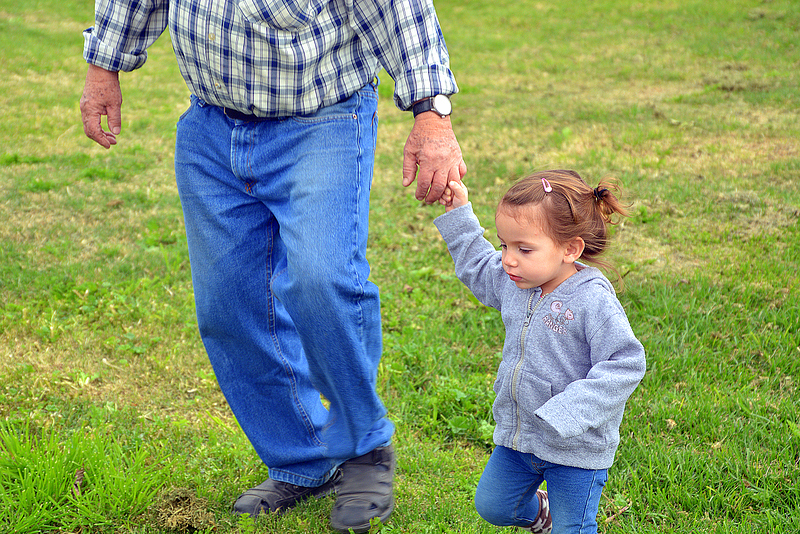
(599, 193)
(547, 187)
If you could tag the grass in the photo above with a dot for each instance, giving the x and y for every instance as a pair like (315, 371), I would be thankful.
(693, 106)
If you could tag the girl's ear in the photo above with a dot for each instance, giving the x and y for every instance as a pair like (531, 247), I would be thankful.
(574, 249)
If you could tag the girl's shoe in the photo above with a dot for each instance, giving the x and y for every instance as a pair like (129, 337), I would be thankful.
(544, 521)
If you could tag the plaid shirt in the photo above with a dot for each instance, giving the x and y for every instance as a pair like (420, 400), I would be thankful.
(280, 58)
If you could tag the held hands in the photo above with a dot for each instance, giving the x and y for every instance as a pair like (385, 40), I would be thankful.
(101, 96)
(432, 157)
(455, 196)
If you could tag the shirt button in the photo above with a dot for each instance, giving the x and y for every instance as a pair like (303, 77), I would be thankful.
(211, 36)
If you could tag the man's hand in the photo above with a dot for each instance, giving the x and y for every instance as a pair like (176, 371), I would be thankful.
(432, 149)
(101, 96)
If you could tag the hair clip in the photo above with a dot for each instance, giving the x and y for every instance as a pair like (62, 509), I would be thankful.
(547, 187)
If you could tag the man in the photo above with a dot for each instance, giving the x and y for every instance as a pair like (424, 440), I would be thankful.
(274, 162)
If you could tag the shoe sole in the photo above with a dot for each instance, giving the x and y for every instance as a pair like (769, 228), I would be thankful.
(364, 527)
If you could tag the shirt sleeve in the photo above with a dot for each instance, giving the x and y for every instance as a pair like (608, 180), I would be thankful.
(407, 39)
(123, 31)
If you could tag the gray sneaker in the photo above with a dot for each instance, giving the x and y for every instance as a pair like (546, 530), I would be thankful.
(278, 497)
(364, 491)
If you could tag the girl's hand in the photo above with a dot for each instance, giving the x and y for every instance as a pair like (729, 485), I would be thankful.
(458, 195)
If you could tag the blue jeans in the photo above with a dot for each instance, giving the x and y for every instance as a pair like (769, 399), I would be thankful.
(506, 493)
(276, 215)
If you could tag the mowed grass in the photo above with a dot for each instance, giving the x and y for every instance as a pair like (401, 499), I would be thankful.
(110, 417)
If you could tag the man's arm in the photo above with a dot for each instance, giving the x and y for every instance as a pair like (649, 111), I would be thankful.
(118, 42)
(406, 38)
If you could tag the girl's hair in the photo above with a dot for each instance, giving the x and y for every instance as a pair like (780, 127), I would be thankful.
(570, 207)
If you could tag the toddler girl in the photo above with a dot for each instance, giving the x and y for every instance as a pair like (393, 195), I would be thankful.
(570, 359)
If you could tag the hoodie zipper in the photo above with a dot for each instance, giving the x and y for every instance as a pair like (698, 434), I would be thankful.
(518, 367)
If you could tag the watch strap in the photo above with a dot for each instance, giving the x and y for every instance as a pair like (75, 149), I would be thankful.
(439, 104)
(426, 104)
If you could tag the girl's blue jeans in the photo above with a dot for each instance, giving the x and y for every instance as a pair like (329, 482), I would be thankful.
(276, 215)
(506, 493)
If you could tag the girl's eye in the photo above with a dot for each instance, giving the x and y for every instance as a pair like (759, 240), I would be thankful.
(525, 251)
(503, 246)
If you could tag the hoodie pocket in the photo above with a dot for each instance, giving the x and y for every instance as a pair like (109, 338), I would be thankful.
(517, 400)
(531, 393)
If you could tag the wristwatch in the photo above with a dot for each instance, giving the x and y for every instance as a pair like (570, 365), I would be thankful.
(440, 104)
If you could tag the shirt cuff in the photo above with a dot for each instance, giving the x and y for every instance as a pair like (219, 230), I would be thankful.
(558, 417)
(422, 82)
(101, 55)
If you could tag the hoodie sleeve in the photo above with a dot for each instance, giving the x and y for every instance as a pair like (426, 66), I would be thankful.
(478, 264)
(618, 365)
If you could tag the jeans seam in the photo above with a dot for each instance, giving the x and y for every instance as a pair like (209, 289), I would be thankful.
(354, 243)
(584, 517)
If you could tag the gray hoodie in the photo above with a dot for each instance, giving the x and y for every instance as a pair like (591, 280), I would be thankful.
(570, 359)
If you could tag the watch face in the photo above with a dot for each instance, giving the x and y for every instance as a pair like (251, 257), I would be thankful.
(442, 104)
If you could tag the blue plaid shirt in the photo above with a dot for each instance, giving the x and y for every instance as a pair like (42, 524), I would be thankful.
(280, 58)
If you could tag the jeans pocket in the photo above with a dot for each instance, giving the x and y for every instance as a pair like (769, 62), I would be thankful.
(365, 101)
(185, 113)
(193, 101)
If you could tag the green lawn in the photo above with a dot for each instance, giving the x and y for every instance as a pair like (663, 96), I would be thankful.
(111, 420)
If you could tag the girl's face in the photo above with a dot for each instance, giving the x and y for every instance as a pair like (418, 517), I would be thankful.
(530, 257)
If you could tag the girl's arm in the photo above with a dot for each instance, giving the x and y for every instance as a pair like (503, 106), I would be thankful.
(477, 263)
(618, 366)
